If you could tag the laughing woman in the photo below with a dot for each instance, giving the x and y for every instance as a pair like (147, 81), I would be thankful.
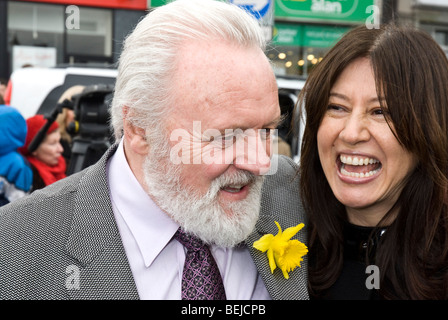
(374, 167)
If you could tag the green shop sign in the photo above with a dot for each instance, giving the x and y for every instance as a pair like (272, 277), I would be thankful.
(348, 11)
(285, 34)
(157, 3)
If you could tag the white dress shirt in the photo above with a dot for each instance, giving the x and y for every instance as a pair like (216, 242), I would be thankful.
(157, 260)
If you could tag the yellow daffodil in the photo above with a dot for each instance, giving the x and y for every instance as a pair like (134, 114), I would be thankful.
(281, 250)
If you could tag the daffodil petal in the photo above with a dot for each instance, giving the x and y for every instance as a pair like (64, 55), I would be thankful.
(292, 256)
(285, 274)
(279, 228)
(272, 264)
(291, 232)
(264, 243)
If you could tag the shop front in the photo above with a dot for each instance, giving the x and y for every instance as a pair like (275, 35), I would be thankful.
(432, 17)
(302, 31)
(47, 33)
(298, 47)
(52, 32)
(305, 30)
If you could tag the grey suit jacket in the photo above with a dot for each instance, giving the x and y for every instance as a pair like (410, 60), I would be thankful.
(62, 242)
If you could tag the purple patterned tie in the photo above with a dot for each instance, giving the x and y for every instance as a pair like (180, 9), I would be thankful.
(201, 279)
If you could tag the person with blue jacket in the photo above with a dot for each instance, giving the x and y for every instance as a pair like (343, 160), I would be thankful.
(16, 176)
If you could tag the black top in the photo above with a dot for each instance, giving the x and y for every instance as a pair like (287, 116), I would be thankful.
(359, 252)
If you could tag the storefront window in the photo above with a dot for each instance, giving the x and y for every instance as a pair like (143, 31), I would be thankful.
(93, 39)
(441, 36)
(38, 35)
(35, 25)
(295, 60)
(439, 32)
(297, 48)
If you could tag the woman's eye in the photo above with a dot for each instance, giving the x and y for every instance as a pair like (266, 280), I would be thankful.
(378, 112)
(224, 141)
(334, 107)
(381, 112)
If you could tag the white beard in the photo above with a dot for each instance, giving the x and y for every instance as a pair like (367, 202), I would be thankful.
(224, 224)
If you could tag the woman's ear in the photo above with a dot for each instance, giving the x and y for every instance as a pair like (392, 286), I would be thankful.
(134, 136)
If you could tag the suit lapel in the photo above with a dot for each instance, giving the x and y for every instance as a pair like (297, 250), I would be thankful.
(94, 241)
(280, 202)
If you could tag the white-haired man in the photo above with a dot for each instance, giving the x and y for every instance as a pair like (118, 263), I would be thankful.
(194, 106)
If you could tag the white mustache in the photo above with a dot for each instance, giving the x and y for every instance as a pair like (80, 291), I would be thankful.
(239, 178)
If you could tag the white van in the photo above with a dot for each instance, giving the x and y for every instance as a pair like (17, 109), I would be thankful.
(37, 90)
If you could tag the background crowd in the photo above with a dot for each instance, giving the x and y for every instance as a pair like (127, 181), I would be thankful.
(24, 170)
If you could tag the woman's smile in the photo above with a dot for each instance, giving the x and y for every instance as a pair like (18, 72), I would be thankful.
(357, 168)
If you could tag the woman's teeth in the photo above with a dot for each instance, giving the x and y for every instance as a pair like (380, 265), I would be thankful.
(358, 175)
(355, 163)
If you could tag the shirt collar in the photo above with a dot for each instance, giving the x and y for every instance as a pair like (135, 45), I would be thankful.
(151, 227)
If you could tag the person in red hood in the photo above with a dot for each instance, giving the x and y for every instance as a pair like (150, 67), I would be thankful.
(46, 160)
(15, 175)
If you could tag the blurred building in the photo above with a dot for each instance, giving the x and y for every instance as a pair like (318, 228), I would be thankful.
(305, 30)
(302, 31)
(49, 32)
(428, 15)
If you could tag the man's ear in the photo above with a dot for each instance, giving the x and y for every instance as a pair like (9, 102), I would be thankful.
(134, 136)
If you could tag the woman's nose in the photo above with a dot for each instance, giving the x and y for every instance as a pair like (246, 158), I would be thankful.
(355, 130)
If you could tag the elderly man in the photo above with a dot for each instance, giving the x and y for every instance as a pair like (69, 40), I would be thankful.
(172, 209)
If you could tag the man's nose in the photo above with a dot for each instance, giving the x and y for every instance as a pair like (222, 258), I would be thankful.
(253, 155)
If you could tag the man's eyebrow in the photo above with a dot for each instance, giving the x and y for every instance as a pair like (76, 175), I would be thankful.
(346, 98)
(272, 124)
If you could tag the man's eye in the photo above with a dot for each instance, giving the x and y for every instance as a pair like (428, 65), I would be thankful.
(228, 140)
(222, 141)
(208, 138)
(228, 137)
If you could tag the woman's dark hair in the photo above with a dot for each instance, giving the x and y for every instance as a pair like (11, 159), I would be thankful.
(411, 73)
